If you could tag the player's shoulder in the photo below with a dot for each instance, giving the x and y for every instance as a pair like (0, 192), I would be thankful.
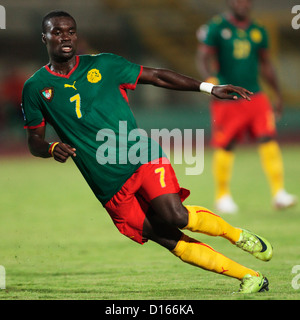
(212, 27)
(104, 59)
(35, 79)
(217, 21)
(99, 56)
(258, 24)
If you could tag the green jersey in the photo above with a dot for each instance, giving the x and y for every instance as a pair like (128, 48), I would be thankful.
(89, 110)
(237, 51)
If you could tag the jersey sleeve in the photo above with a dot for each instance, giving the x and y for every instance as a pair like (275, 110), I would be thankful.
(265, 39)
(209, 33)
(32, 113)
(126, 72)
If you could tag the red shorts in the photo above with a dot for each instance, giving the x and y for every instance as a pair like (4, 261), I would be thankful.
(128, 207)
(233, 119)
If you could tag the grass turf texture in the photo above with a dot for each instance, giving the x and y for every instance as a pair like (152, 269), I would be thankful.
(57, 242)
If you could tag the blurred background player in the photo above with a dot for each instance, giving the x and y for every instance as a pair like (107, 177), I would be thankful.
(234, 49)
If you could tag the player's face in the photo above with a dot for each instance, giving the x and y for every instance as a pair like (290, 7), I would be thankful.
(240, 8)
(61, 38)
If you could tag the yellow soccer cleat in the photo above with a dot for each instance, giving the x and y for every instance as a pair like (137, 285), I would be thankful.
(253, 284)
(258, 246)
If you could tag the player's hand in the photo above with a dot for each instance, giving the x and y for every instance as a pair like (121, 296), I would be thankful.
(225, 92)
(63, 151)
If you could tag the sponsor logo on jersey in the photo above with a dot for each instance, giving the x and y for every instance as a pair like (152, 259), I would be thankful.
(70, 85)
(47, 94)
(241, 33)
(94, 76)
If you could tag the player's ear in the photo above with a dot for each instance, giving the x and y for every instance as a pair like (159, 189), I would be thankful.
(44, 38)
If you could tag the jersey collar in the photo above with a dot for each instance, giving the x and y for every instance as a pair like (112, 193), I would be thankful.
(67, 76)
(239, 24)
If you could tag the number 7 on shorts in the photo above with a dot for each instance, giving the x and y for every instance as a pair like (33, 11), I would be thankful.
(161, 171)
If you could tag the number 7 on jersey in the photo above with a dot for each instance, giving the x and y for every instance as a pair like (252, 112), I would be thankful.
(77, 100)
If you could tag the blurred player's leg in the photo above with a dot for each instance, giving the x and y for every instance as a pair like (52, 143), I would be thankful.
(222, 171)
(273, 166)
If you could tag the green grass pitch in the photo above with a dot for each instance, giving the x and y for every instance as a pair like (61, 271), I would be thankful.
(57, 242)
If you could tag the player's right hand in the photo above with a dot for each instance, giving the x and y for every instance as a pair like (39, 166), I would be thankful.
(63, 151)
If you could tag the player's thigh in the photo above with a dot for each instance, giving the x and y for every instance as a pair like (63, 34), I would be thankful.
(159, 231)
(128, 212)
(158, 178)
(169, 208)
(263, 124)
(161, 189)
(228, 122)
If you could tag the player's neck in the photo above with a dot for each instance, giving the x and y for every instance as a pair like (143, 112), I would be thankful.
(62, 67)
(242, 23)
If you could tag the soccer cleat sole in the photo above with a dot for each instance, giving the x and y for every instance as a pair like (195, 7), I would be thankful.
(265, 286)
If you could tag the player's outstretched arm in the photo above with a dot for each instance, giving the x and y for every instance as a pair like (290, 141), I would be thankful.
(171, 80)
(168, 79)
(225, 92)
(39, 147)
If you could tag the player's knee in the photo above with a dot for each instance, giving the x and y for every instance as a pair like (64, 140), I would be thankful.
(171, 210)
(230, 146)
(175, 215)
(179, 216)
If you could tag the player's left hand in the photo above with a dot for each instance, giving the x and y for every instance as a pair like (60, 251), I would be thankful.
(63, 151)
(225, 92)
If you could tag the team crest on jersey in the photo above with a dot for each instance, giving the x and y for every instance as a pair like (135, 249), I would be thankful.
(94, 76)
(47, 94)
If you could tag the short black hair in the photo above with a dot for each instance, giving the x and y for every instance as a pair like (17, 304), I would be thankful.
(53, 14)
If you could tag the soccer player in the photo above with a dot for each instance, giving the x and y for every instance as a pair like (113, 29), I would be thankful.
(234, 49)
(83, 97)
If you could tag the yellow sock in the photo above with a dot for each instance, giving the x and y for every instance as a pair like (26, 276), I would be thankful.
(203, 256)
(222, 171)
(272, 164)
(204, 221)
